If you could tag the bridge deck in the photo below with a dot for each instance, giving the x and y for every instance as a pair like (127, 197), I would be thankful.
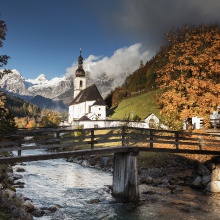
(98, 141)
(100, 151)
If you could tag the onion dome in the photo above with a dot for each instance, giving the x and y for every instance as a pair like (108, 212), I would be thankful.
(80, 71)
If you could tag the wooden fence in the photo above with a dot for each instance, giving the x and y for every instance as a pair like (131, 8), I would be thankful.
(215, 123)
(68, 139)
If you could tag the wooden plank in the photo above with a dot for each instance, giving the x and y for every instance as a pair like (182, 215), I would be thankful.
(44, 146)
(179, 151)
(66, 154)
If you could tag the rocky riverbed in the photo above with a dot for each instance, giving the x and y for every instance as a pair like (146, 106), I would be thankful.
(176, 188)
(13, 205)
(180, 189)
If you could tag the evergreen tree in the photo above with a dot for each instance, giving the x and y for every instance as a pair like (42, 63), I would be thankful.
(7, 123)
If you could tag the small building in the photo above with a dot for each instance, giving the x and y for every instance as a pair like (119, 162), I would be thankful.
(88, 102)
(152, 121)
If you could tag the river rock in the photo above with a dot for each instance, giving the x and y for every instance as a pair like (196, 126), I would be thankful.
(19, 198)
(37, 212)
(20, 169)
(19, 184)
(7, 193)
(17, 176)
(70, 159)
(85, 163)
(28, 206)
(203, 170)
(213, 186)
(205, 180)
(93, 201)
(216, 174)
(53, 208)
(196, 182)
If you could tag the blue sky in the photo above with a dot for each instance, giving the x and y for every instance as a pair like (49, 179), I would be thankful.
(44, 36)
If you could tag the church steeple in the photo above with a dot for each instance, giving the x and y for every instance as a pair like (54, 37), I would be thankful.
(80, 71)
(80, 79)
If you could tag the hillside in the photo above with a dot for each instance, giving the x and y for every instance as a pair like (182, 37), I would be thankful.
(142, 80)
(21, 108)
(141, 105)
(186, 68)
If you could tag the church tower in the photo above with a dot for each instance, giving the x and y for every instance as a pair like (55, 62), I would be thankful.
(80, 79)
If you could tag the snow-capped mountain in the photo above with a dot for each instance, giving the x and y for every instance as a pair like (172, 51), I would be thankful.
(58, 89)
(15, 83)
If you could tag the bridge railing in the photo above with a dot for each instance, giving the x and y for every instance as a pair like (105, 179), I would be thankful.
(178, 140)
(68, 139)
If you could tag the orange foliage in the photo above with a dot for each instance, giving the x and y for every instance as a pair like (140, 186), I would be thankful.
(191, 74)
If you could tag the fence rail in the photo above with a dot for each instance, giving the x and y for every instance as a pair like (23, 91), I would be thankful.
(215, 123)
(68, 139)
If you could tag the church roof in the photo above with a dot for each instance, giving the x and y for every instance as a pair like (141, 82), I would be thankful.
(84, 118)
(90, 93)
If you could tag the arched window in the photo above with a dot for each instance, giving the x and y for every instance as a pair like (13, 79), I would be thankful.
(152, 123)
(81, 83)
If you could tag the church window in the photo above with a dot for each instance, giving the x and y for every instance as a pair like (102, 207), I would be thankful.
(81, 83)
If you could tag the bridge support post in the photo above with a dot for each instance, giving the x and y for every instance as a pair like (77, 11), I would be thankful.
(125, 176)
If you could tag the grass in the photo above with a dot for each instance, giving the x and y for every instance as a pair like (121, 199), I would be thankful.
(141, 105)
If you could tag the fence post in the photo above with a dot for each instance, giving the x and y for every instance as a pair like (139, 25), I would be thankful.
(177, 139)
(57, 134)
(151, 139)
(19, 147)
(92, 138)
(122, 136)
(200, 142)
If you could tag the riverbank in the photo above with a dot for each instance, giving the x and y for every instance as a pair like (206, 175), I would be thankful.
(12, 205)
(165, 184)
(163, 181)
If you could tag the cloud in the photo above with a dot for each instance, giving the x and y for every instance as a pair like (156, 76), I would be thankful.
(122, 63)
(146, 21)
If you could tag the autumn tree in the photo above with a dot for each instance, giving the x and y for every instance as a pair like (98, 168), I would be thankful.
(7, 122)
(119, 94)
(50, 120)
(190, 75)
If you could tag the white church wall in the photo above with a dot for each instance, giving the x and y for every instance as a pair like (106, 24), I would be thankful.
(108, 123)
(79, 84)
(100, 111)
(88, 107)
(71, 110)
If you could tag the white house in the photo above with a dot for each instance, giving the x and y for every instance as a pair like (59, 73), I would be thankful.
(152, 121)
(88, 102)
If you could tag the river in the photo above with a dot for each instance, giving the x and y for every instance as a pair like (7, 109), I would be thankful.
(83, 193)
(80, 192)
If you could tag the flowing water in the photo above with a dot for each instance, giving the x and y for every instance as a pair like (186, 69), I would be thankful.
(82, 193)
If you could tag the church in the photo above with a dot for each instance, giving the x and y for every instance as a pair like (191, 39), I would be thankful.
(87, 103)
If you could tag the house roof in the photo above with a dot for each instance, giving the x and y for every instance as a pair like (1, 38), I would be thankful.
(84, 118)
(90, 93)
(150, 115)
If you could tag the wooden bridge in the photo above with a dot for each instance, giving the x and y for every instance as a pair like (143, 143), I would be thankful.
(124, 142)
